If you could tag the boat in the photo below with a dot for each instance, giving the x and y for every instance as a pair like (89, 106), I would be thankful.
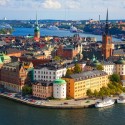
(73, 29)
(121, 98)
(53, 28)
(104, 103)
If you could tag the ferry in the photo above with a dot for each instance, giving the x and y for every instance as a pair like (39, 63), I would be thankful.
(53, 28)
(121, 98)
(104, 103)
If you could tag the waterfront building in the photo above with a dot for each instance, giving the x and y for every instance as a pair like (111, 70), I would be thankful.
(49, 72)
(37, 31)
(59, 89)
(13, 76)
(107, 45)
(78, 84)
(42, 89)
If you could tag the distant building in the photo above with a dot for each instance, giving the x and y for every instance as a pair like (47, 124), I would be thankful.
(59, 89)
(37, 31)
(42, 89)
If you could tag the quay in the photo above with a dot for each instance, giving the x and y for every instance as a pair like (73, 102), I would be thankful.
(55, 104)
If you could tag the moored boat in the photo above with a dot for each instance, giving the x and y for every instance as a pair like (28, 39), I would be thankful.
(121, 98)
(105, 102)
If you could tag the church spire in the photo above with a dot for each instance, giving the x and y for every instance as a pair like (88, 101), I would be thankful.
(36, 19)
(107, 24)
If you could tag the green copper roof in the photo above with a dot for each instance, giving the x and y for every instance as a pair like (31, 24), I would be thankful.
(36, 29)
(59, 81)
(95, 63)
(121, 61)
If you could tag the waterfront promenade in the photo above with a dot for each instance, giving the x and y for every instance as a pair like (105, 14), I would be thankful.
(61, 104)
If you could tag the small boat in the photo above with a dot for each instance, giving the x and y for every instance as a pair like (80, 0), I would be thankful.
(104, 103)
(53, 28)
(121, 98)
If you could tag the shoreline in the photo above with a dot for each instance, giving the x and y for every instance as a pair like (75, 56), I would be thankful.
(49, 105)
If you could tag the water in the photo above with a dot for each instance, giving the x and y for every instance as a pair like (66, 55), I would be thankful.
(47, 32)
(13, 113)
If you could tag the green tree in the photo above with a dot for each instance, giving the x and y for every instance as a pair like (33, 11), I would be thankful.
(69, 72)
(27, 90)
(57, 58)
(95, 93)
(99, 67)
(89, 93)
(77, 68)
(115, 78)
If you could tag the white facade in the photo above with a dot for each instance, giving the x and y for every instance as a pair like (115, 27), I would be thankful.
(59, 91)
(109, 68)
(47, 74)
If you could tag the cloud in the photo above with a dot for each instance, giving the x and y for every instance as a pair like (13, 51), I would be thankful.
(73, 4)
(3, 2)
(51, 4)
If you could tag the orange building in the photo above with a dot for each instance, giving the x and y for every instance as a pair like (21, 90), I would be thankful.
(78, 84)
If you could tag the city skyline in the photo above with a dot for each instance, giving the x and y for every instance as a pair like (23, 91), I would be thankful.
(62, 9)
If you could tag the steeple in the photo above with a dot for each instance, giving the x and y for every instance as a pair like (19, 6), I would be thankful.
(36, 20)
(107, 25)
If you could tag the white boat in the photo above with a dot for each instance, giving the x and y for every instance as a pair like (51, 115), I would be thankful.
(121, 98)
(105, 102)
(53, 28)
(73, 29)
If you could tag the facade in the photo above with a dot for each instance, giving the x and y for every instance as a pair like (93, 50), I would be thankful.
(59, 89)
(78, 84)
(107, 45)
(69, 51)
(49, 72)
(120, 68)
(13, 76)
(109, 67)
(42, 89)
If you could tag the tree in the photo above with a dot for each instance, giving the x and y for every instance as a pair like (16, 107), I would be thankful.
(89, 93)
(95, 93)
(57, 58)
(115, 78)
(27, 90)
(77, 68)
(99, 67)
(69, 72)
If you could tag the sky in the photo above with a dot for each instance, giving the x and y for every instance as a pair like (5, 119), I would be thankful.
(62, 9)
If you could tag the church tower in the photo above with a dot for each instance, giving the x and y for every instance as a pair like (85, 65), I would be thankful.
(36, 31)
(107, 45)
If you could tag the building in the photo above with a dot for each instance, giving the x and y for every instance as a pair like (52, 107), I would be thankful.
(49, 72)
(42, 89)
(120, 68)
(78, 84)
(13, 76)
(109, 67)
(70, 51)
(4, 59)
(59, 89)
(107, 45)
(37, 31)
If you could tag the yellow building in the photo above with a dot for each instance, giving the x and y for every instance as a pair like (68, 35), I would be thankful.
(78, 84)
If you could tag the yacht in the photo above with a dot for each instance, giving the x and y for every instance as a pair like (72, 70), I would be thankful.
(121, 98)
(53, 28)
(105, 102)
